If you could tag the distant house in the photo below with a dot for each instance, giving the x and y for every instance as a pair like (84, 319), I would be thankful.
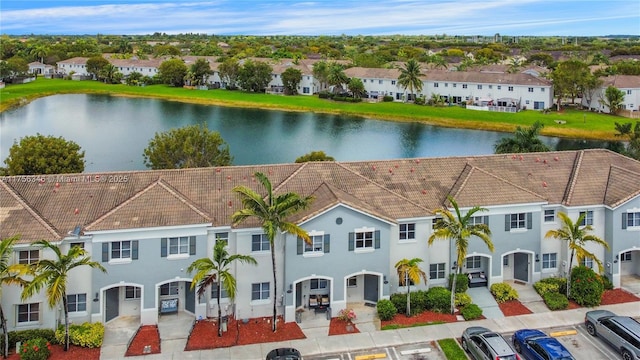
(39, 68)
(629, 84)
(77, 65)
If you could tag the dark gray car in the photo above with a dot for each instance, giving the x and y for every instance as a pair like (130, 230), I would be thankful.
(621, 332)
(484, 344)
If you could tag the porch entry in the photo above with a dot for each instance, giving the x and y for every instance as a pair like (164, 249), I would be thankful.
(176, 296)
(122, 300)
(371, 288)
(521, 267)
(112, 304)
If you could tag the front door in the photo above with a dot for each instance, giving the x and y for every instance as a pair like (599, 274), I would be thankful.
(521, 266)
(370, 288)
(112, 303)
(189, 297)
(298, 294)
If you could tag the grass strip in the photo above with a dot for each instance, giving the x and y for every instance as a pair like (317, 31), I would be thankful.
(451, 349)
(399, 326)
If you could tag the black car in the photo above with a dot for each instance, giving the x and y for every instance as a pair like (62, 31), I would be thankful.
(284, 354)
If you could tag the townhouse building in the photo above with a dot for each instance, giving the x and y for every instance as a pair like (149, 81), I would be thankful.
(146, 227)
(378, 82)
(76, 65)
(628, 84)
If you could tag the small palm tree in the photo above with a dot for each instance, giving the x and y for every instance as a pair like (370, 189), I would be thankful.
(409, 272)
(272, 212)
(9, 275)
(52, 274)
(576, 236)
(410, 77)
(336, 77)
(459, 228)
(524, 140)
(216, 272)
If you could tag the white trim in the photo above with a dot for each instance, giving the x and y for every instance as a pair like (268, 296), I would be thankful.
(350, 208)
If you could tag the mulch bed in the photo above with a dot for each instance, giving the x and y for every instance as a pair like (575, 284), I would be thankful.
(204, 334)
(339, 327)
(513, 308)
(146, 335)
(425, 317)
(617, 296)
(74, 353)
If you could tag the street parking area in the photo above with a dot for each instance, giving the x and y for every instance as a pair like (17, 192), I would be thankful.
(419, 351)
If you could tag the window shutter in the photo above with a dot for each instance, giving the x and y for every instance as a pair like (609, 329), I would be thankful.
(529, 221)
(351, 241)
(134, 250)
(376, 241)
(300, 245)
(507, 222)
(105, 252)
(163, 247)
(624, 220)
(192, 245)
(485, 220)
(327, 242)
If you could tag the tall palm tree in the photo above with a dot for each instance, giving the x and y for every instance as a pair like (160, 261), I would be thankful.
(321, 72)
(52, 274)
(409, 272)
(216, 272)
(458, 228)
(576, 236)
(9, 275)
(410, 77)
(336, 77)
(272, 212)
(523, 140)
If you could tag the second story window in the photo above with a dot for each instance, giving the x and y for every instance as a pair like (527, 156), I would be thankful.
(260, 243)
(519, 221)
(631, 220)
(28, 256)
(364, 239)
(178, 246)
(587, 219)
(120, 251)
(407, 231)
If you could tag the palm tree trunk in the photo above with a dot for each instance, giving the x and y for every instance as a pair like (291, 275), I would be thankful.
(453, 290)
(66, 322)
(3, 324)
(275, 286)
(219, 309)
(406, 282)
(569, 272)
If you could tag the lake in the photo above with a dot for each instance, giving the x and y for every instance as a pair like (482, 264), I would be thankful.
(113, 132)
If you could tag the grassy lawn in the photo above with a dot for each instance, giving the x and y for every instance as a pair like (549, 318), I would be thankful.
(577, 124)
(452, 350)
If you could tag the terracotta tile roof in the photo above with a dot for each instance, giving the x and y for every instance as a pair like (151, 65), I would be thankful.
(486, 78)
(388, 189)
(622, 81)
(372, 73)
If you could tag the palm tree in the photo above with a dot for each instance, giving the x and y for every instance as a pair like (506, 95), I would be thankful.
(409, 272)
(458, 228)
(272, 212)
(524, 140)
(576, 235)
(9, 275)
(53, 275)
(321, 72)
(410, 77)
(216, 272)
(336, 76)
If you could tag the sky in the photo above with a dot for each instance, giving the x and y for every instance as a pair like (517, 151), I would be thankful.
(322, 17)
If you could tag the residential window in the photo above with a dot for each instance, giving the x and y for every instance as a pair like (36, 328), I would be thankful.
(77, 244)
(518, 221)
(479, 87)
(393, 82)
(260, 291)
(587, 219)
(214, 291)
(474, 262)
(408, 231)
(526, 102)
(436, 271)
(260, 243)
(223, 236)
(454, 85)
(352, 281)
(380, 82)
(542, 89)
(305, 90)
(316, 244)
(530, 89)
(490, 86)
(505, 261)
(28, 313)
(435, 84)
(364, 240)
(316, 284)
(179, 245)
(625, 256)
(132, 292)
(549, 261)
(633, 219)
(364, 80)
(499, 87)
(446, 84)
(169, 289)
(477, 220)
(628, 92)
(77, 302)
(510, 88)
(588, 262)
(549, 216)
(28, 256)
(464, 86)
(121, 249)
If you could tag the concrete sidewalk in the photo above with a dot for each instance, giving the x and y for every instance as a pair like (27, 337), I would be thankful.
(377, 339)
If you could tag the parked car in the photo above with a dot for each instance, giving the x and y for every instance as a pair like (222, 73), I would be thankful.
(621, 332)
(533, 344)
(284, 354)
(484, 344)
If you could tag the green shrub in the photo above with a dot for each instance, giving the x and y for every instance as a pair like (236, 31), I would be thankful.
(586, 286)
(462, 299)
(419, 101)
(439, 299)
(471, 312)
(88, 335)
(25, 335)
(386, 309)
(387, 98)
(503, 292)
(550, 285)
(608, 285)
(418, 301)
(35, 349)
(324, 95)
(399, 300)
(556, 301)
(462, 282)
